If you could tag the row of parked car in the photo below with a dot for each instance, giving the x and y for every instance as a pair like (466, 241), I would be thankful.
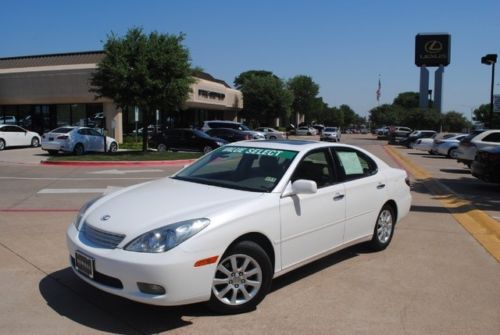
(478, 150)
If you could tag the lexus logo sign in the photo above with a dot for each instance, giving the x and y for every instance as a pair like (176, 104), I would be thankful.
(432, 49)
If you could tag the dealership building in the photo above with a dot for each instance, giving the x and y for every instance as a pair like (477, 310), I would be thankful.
(43, 92)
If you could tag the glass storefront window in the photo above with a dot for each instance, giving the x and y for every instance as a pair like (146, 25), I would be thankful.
(63, 115)
(78, 115)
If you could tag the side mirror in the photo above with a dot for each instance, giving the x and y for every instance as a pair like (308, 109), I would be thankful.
(301, 186)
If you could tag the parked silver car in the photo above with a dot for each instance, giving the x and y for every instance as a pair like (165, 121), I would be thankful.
(271, 133)
(447, 146)
(77, 140)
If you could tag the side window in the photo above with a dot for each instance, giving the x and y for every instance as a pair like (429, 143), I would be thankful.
(354, 163)
(83, 132)
(494, 137)
(316, 166)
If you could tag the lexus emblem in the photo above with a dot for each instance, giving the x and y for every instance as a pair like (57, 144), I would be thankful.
(433, 47)
(106, 217)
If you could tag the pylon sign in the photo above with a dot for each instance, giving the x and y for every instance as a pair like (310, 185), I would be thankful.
(432, 50)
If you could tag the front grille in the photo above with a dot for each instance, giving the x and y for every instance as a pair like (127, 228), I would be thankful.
(101, 238)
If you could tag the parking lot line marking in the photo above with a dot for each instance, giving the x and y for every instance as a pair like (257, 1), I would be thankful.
(484, 228)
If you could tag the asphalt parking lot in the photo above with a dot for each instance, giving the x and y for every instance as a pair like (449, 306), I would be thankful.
(435, 278)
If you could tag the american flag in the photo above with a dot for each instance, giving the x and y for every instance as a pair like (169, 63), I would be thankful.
(379, 90)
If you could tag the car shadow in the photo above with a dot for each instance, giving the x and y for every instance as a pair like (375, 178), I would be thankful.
(71, 297)
(456, 171)
(78, 301)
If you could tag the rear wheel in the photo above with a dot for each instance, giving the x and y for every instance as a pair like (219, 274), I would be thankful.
(452, 153)
(35, 142)
(384, 228)
(242, 279)
(79, 149)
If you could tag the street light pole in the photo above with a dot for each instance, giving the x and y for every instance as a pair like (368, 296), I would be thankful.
(491, 59)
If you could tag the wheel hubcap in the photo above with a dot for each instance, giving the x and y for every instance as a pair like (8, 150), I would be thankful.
(384, 226)
(237, 280)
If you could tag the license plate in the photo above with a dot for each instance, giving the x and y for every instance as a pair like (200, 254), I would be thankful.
(84, 264)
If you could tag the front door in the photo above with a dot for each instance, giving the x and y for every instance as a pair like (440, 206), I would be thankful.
(312, 224)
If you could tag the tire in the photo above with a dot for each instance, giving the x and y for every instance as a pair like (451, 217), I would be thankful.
(452, 153)
(207, 149)
(79, 149)
(241, 280)
(384, 228)
(431, 152)
(272, 137)
(113, 147)
(2, 144)
(35, 142)
(161, 147)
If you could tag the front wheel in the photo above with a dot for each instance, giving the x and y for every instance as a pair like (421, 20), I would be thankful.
(161, 147)
(113, 147)
(384, 228)
(2, 144)
(242, 279)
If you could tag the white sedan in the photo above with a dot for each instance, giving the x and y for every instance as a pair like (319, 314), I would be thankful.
(271, 133)
(15, 136)
(301, 131)
(77, 140)
(222, 228)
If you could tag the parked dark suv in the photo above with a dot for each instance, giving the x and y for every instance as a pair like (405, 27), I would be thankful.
(230, 135)
(185, 140)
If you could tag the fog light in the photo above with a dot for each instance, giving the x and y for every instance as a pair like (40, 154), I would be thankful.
(151, 288)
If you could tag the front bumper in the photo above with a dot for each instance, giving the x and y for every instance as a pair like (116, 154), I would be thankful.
(118, 272)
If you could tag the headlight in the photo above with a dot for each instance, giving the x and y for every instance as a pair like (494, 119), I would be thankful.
(166, 238)
(81, 213)
(220, 144)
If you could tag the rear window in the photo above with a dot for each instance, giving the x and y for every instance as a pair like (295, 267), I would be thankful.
(62, 130)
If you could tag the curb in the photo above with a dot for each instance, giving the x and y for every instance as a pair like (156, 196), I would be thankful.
(477, 223)
(118, 163)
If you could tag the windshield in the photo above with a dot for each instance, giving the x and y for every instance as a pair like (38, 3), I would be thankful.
(242, 168)
(330, 129)
(62, 130)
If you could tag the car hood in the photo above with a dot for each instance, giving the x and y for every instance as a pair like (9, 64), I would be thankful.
(140, 208)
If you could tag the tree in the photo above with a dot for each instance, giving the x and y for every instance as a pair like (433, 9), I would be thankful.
(386, 115)
(407, 100)
(454, 122)
(304, 91)
(240, 80)
(265, 99)
(148, 71)
(482, 114)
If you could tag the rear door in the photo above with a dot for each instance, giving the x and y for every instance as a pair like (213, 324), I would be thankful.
(365, 191)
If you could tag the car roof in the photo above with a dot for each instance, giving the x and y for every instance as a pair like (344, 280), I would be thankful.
(292, 145)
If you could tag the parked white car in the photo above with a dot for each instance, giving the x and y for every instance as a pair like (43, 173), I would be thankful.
(468, 146)
(222, 228)
(302, 131)
(15, 136)
(77, 140)
(331, 134)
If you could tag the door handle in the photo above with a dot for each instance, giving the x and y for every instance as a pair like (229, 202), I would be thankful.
(338, 197)
(380, 186)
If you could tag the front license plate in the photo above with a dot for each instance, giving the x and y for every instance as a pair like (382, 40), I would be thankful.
(84, 264)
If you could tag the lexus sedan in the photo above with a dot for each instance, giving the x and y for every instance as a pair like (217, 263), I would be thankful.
(185, 139)
(15, 136)
(330, 134)
(76, 140)
(219, 230)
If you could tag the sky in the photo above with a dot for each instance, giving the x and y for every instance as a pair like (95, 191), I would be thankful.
(344, 46)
